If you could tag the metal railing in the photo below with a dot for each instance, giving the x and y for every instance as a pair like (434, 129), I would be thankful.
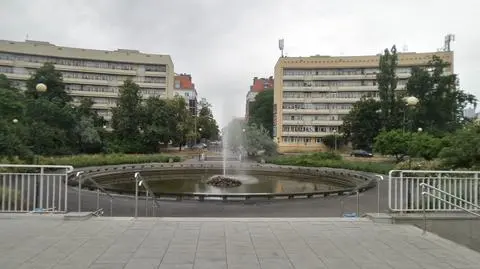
(142, 182)
(440, 195)
(34, 188)
(405, 193)
(81, 179)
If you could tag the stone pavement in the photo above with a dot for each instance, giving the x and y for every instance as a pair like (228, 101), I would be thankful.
(167, 243)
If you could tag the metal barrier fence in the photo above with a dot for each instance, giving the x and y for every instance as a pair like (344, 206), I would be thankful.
(37, 188)
(405, 191)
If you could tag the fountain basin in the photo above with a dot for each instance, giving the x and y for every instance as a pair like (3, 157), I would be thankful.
(186, 181)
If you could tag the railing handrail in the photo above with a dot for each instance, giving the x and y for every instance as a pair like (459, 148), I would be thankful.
(68, 168)
(450, 203)
(138, 176)
(430, 171)
(99, 187)
(427, 186)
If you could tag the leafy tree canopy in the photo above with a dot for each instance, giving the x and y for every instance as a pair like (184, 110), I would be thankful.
(261, 111)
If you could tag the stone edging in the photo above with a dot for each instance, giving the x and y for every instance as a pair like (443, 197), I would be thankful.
(361, 181)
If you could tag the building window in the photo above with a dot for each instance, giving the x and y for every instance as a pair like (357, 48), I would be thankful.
(177, 84)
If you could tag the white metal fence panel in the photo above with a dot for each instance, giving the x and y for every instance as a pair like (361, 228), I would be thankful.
(405, 192)
(25, 188)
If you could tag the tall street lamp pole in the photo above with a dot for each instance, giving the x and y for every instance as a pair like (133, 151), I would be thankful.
(40, 87)
(410, 102)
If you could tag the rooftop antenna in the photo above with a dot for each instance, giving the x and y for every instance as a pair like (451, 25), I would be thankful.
(26, 37)
(448, 39)
(281, 45)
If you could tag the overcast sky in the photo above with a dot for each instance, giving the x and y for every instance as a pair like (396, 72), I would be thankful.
(224, 43)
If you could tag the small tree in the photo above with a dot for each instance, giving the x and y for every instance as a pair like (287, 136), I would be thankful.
(424, 145)
(330, 140)
(463, 148)
(393, 142)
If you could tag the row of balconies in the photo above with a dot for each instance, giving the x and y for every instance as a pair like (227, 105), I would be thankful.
(114, 83)
(339, 77)
(308, 134)
(313, 122)
(82, 69)
(316, 111)
(334, 88)
(324, 100)
(107, 94)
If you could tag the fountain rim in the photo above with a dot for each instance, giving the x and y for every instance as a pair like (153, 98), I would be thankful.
(363, 180)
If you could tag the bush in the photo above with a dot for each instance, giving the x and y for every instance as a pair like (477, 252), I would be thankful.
(332, 160)
(419, 165)
(102, 159)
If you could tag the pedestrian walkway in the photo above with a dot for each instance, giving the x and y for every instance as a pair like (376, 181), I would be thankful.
(214, 243)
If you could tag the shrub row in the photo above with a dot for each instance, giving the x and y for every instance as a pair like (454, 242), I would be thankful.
(101, 159)
(332, 160)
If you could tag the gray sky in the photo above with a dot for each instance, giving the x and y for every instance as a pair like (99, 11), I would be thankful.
(224, 43)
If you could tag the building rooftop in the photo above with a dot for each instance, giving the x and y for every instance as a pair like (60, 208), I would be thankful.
(405, 59)
(43, 48)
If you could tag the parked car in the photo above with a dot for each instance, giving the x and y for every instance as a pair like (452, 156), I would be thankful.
(361, 153)
(200, 146)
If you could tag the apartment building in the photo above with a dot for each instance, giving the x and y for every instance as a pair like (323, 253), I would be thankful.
(186, 88)
(96, 74)
(259, 85)
(313, 94)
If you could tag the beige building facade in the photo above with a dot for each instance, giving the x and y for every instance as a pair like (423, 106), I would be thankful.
(97, 74)
(313, 94)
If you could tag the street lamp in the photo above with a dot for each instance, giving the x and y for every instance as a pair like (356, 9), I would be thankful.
(40, 87)
(410, 101)
(15, 121)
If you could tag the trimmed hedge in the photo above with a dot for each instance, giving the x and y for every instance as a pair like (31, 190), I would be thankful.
(101, 159)
(332, 160)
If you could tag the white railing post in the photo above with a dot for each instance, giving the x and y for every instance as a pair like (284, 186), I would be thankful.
(79, 179)
(98, 198)
(475, 189)
(136, 193)
(379, 180)
(41, 189)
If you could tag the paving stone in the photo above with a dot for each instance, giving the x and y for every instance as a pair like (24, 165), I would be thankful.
(329, 243)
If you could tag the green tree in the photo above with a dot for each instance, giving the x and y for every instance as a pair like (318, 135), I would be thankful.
(362, 124)
(53, 79)
(156, 124)
(13, 131)
(387, 84)
(441, 103)
(463, 148)
(207, 123)
(394, 142)
(424, 145)
(127, 117)
(261, 111)
(49, 116)
(181, 122)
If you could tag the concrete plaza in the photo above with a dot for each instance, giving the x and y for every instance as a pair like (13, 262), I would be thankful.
(184, 243)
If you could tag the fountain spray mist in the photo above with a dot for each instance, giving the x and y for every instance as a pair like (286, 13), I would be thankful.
(225, 150)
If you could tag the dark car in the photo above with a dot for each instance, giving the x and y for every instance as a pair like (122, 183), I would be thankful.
(361, 153)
